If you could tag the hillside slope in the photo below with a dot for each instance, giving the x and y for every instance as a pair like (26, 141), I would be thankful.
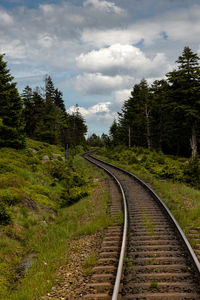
(37, 190)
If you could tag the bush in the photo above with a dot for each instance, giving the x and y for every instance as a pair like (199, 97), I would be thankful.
(4, 168)
(13, 180)
(157, 163)
(192, 172)
(10, 196)
(5, 216)
(11, 137)
(73, 195)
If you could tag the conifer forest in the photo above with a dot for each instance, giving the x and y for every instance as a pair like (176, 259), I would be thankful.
(166, 114)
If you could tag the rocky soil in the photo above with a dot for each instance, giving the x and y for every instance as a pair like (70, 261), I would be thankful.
(71, 278)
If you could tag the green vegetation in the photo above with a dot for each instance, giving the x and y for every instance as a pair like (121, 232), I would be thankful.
(39, 114)
(154, 285)
(11, 122)
(153, 260)
(46, 118)
(40, 212)
(157, 164)
(148, 223)
(168, 175)
(119, 218)
(165, 115)
(88, 264)
(128, 263)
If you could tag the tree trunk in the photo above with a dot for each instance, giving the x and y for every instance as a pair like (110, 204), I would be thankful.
(193, 141)
(147, 114)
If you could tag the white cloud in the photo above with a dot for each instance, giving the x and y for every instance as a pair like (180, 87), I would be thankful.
(97, 83)
(98, 117)
(100, 44)
(55, 34)
(147, 31)
(103, 5)
(115, 56)
(46, 41)
(100, 38)
(180, 25)
(123, 59)
(121, 95)
(5, 18)
(102, 107)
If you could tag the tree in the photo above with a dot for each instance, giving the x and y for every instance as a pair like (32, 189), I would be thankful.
(76, 128)
(145, 100)
(28, 111)
(46, 118)
(58, 100)
(185, 95)
(115, 133)
(161, 119)
(46, 127)
(49, 126)
(94, 140)
(105, 139)
(135, 119)
(12, 126)
(49, 89)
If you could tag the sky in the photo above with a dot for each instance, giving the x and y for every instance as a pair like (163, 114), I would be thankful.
(96, 50)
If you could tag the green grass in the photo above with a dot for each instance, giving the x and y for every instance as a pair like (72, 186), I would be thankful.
(119, 218)
(40, 223)
(153, 260)
(154, 285)
(89, 263)
(128, 263)
(148, 223)
(70, 223)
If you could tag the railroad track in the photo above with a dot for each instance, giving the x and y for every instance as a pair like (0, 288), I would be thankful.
(156, 261)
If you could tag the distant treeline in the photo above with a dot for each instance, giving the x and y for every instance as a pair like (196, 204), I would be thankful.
(165, 115)
(39, 114)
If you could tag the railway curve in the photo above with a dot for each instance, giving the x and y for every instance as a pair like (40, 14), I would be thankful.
(158, 261)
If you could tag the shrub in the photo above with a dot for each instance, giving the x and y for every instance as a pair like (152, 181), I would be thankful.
(10, 196)
(43, 200)
(192, 172)
(73, 195)
(4, 168)
(5, 216)
(7, 180)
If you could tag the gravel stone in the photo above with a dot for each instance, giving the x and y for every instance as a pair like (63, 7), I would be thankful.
(71, 280)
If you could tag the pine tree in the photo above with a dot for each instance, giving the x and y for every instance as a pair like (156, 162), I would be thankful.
(58, 100)
(94, 140)
(28, 112)
(46, 127)
(135, 119)
(12, 126)
(161, 119)
(49, 89)
(115, 133)
(146, 106)
(185, 95)
(75, 133)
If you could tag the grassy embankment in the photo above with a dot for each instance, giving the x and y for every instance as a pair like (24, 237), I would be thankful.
(176, 180)
(40, 212)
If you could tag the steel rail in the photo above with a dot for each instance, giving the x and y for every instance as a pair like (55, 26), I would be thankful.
(165, 208)
(124, 237)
